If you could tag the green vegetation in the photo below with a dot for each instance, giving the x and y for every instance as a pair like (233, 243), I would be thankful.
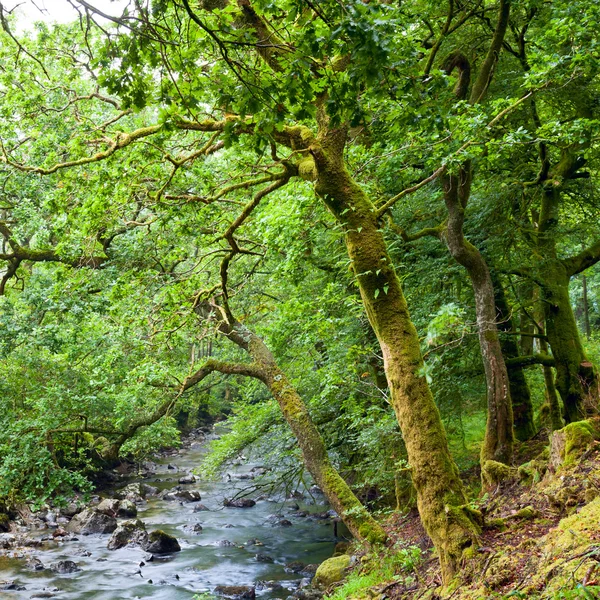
(365, 234)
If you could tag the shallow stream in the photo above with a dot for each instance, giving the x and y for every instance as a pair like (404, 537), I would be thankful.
(205, 560)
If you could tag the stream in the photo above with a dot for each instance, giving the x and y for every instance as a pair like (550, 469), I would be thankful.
(219, 555)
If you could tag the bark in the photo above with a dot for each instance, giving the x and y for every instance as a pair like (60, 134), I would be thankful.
(524, 426)
(441, 500)
(499, 439)
(576, 377)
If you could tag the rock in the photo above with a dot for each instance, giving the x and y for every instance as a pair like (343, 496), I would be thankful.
(225, 543)
(331, 571)
(71, 509)
(60, 532)
(195, 528)
(65, 566)
(182, 495)
(309, 570)
(128, 533)
(239, 503)
(35, 564)
(254, 542)
(189, 495)
(6, 540)
(127, 509)
(236, 592)
(200, 508)
(171, 467)
(160, 542)
(283, 523)
(108, 506)
(188, 479)
(12, 586)
(295, 566)
(89, 521)
(263, 558)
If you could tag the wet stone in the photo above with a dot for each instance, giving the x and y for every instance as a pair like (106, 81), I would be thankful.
(160, 542)
(239, 503)
(35, 564)
(64, 567)
(236, 592)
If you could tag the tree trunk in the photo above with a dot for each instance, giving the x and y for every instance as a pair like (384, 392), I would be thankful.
(576, 378)
(524, 426)
(498, 441)
(354, 515)
(441, 501)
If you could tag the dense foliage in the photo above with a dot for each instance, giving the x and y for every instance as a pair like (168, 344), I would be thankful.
(170, 161)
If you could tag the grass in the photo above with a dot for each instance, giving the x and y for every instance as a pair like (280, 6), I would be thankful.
(378, 568)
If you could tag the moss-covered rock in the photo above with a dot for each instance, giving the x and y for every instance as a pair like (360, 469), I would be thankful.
(526, 513)
(569, 443)
(331, 571)
(159, 542)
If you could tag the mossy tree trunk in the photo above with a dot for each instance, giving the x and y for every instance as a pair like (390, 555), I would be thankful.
(498, 442)
(352, 512)
(576, 377)
(441, 500)
(524, 426)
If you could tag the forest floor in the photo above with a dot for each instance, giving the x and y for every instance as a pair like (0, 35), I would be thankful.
(541, 534)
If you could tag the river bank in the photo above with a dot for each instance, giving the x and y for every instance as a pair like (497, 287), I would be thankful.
(271, 546)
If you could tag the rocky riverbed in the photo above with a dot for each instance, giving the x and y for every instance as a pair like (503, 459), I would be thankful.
(164, 534)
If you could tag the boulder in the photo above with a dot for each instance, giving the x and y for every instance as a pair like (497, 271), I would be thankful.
(263, 558)
(71, 509)
(128, 533)
(188, 479)
(65, 566)
(108, 506)
(90, 521)
(182, 495)
(236, 592)
(331, 571)
(6, 540)
(200, 508)
(127, 509)
(160, 542)
(239, 503)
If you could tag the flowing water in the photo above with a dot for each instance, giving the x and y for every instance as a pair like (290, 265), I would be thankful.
(204, 561)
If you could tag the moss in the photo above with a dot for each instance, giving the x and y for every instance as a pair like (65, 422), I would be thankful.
(526, 513)
(497, 523)
(578, 437)
(574, 536)
(331, 571)
(532, 471)
(494, 472)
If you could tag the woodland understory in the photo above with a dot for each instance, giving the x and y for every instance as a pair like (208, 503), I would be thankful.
(365, 234)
